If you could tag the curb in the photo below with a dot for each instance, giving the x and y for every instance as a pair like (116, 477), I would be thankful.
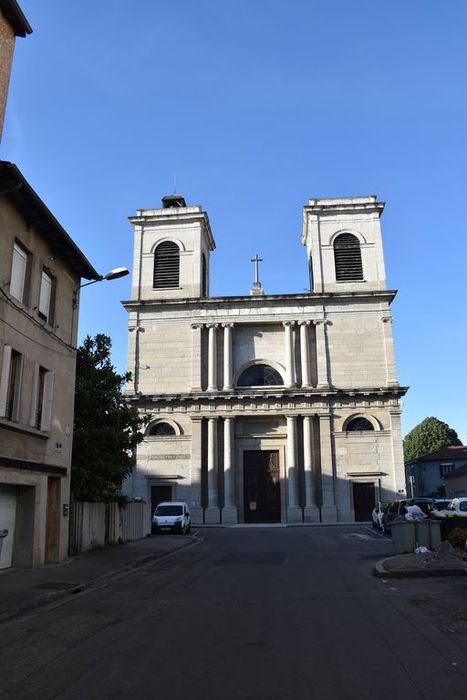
(381, 572)
(55, 596)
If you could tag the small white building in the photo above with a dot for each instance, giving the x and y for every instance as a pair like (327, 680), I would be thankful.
(265, 408)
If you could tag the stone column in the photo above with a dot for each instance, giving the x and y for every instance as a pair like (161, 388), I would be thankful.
(321, 354)
(229, 511)
(196, 360)
(212, 357)
(289, 354)
(212, 514)
(391, 378)
(227, 356)
(195, 504)
(305, 354)
(328, 508)
(397, 452)
(294, 511)
(311, 511)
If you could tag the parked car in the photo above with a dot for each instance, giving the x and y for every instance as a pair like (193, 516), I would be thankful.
(396, 511)
(171, 516)
(458, 506)
(441, 503)
(377, 514)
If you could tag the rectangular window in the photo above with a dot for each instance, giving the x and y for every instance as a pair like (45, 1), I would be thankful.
(47, 297)
(19, 273)
(445, 469)
(42, 397)
(10, 385)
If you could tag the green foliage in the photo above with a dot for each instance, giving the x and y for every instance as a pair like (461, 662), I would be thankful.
(106, 428)
(428, 436)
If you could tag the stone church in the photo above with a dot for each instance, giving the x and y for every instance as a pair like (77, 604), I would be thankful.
(265, 408)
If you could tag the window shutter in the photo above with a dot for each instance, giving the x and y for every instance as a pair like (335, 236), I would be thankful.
(48, 399)
(17, 395)
(166, 266)
(35, 396)
(348, 258)
(5, 379)
(45, 294)
(18, 272)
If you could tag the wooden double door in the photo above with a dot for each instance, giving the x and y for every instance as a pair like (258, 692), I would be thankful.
(261, 486)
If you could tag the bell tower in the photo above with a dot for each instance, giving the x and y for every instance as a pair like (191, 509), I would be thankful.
(343, 241)
(171, 251)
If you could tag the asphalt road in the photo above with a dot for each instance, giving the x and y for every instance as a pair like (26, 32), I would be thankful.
(264, 614)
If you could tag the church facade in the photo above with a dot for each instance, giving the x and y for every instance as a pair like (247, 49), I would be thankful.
(265, 408)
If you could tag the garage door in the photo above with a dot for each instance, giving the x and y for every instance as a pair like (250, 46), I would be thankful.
(7, 522)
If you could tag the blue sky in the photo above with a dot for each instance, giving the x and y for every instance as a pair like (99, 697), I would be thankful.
(258, 105)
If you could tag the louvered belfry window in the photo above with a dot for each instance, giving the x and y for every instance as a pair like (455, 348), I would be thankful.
(348, 258)
(166, 266)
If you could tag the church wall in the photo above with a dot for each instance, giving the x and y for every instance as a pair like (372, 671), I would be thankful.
(356, 347)
(163, 347)
(258, 341)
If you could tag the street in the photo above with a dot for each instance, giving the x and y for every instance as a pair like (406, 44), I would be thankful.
(266, 613)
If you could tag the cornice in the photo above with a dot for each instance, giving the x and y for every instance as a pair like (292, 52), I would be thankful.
(260, 301)
(265, 400)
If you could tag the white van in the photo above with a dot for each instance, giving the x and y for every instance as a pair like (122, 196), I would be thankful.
(172, 516)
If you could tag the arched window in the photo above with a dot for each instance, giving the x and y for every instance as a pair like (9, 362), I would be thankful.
(260, 375)
(359, 424)
(162, 430)
(166, 265)
(348, 258)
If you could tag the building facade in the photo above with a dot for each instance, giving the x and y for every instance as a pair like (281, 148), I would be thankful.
(40, 273)
(430, 474)
(265, 408)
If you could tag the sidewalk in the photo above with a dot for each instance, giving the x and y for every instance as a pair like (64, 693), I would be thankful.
(417, 565)
(23, 590)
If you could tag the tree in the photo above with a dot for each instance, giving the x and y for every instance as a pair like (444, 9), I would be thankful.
(106, 427)
(428, 436)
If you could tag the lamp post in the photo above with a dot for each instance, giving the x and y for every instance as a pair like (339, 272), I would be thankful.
(112, 275)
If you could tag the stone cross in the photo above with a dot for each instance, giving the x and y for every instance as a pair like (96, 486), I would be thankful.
(256, 260)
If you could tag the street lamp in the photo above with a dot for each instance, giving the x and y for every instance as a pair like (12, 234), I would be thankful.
(112, 275)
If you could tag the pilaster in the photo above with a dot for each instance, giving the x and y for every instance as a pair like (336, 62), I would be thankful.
(212, 357)
(311, 510)
(328, 508)
(294, 511)
(305, 353)
(212, 514)
(227, 356)
(196, 509)
(229, 511)
(322, 354)
(196, 360)
(289, 353)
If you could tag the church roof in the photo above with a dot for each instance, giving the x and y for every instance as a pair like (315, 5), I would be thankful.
(450, 452)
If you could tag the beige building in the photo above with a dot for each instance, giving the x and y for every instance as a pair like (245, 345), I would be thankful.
(12, 24)
(265, 408)
(40, 272)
